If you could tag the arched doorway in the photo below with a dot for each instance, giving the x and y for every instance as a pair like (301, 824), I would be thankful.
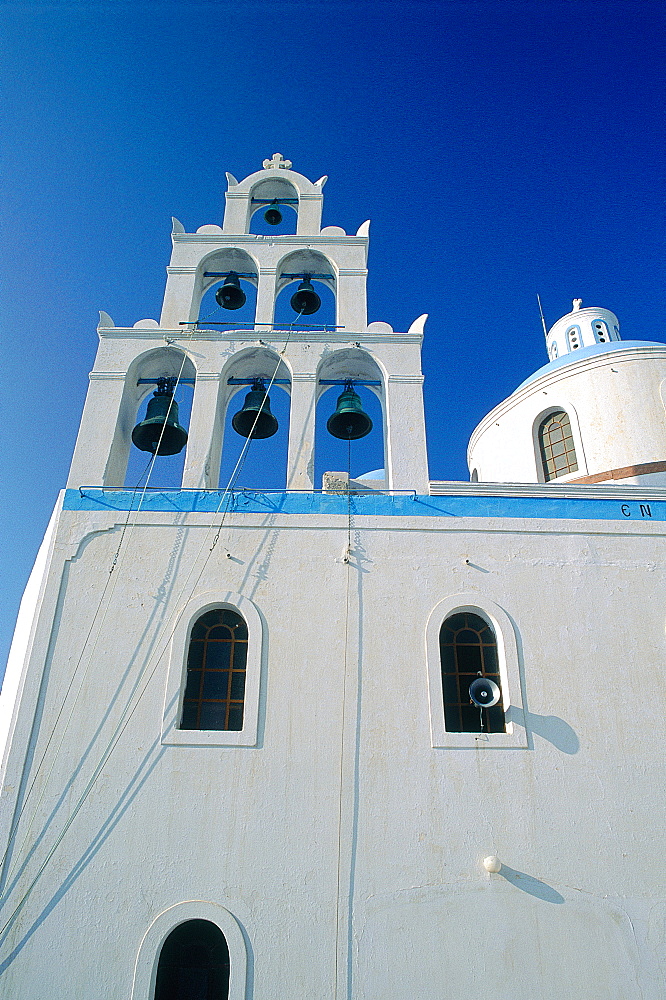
(194, 963)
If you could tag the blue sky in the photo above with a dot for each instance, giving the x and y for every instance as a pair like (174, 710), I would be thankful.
(500, 149)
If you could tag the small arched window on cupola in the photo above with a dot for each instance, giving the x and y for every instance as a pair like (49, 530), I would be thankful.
(556, 444)
(468, 650)
(194, 963)
(216, 665)
(574, 338)
(601, 333)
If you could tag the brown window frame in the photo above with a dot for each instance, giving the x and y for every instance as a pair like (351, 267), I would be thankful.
(462, 661)
(556, 445)
(210, 658)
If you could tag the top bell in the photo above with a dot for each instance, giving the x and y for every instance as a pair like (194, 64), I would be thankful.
(273, 215)
(305, 301)
(230, 295)
(350, 421)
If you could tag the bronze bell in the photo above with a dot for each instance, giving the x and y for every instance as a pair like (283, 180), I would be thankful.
(305, 300)
(350, 421)
(161, 422)
(273, 215)
(255, 420)
(230, 295)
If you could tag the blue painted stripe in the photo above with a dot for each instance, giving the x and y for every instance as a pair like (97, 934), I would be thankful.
(378, 505)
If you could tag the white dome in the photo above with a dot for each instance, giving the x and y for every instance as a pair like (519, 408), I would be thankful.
(594, 415)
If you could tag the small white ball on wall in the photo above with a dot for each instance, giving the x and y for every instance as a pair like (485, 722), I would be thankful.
(492, 864)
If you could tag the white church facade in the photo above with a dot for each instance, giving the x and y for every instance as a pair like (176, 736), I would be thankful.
(241, 759)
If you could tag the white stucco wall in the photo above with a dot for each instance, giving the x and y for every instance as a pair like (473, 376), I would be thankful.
(346, 847)
(17, 661)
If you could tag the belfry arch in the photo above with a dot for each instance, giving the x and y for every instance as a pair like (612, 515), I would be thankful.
(274, 190)
(356, 368)
(236, 380)
(213, 271)
(307, 265)
(140, 383)
(104, 442)
(276, 181)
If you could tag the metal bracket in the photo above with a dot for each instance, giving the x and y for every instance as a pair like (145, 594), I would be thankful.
(177, 381)
(225, 274)
(306, 275)
(349, 381)
(275, 201)
(259, 378)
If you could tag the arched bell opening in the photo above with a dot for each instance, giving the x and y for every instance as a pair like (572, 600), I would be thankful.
(228, 304)
(255, 420)
(306, 292)
(358, 456)
(264, 464)
(343, 411)
(172, 371)
(276, 217)
(273, 208)
(228, 286)
(160, 435)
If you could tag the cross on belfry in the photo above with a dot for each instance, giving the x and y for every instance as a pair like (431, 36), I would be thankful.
(277, 161)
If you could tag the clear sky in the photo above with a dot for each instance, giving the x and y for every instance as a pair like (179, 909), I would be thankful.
(500, 149)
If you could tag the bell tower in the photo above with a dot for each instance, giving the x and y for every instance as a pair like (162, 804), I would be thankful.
(302, 357)
(99, 711)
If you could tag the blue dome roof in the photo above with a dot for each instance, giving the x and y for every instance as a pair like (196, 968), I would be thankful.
(587, 352)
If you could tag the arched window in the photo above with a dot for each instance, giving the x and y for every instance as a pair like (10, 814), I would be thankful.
(216, 664)
(468, 648)
(194, 963)
(601, 334)
(558, 454)
(573, 338)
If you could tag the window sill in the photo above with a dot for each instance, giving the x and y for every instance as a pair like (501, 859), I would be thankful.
(208, 738)
(516, 738)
